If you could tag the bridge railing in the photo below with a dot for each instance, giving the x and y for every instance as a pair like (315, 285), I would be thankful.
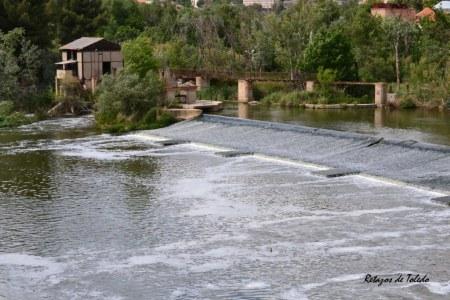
(235, 75)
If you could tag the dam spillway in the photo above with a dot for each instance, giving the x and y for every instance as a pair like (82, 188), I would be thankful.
(416, 163)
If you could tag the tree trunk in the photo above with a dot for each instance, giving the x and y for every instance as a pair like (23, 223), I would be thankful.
(397, 65)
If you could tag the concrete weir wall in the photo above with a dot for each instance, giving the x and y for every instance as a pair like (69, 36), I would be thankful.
(408, 161)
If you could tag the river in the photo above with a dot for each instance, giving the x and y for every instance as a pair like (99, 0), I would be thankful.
(95, 216)
(429, 126)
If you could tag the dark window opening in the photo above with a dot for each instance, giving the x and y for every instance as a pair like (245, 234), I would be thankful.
(71, 55)
(106, 67)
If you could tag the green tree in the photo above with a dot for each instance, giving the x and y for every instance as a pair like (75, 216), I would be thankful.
(138, 56)
(72, 19)
(19, 67)
(372, 54)
(125, 20)
(291, 35)
(126, 98)
(331, 50)
(30, 15)
(177, 55)
(400, 37)
(429, 83)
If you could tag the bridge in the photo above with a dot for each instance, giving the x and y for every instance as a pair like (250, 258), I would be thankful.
(238, 75)
(202, 79)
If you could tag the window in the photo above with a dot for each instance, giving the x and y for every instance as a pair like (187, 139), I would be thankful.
(106, 67)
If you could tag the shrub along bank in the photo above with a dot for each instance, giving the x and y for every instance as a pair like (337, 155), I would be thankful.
(127, 102)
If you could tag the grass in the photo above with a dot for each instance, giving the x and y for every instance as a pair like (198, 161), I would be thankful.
(11, 118)
(218, 91)
(298, 98)
(153, 119)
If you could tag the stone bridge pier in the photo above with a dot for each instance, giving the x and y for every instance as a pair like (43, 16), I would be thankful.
(380, 94)
(245, 91)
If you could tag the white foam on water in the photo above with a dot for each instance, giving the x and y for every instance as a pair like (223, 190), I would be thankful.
(211, 148)
(378, 180)
(210, 266)
(294, 294)
(183, 245)
(320, 215)
(254, 285)
(156, 259)
(380, 234)
(58, 123)
(375, 249)
(338, 279)
(146, 137)
(36, 266)
(287, 220)
(290, 162)
(224, 208)
(440, 288)
(228, 251)
(358, 213)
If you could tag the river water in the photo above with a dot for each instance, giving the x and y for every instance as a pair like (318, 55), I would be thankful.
(93, 216)
(429, 126)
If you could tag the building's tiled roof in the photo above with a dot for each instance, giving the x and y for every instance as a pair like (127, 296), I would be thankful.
(425, 12)
(81, 43)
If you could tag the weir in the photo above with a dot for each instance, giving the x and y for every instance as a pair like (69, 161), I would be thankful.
(412, 162)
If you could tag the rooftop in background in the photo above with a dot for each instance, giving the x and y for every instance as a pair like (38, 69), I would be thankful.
(389, 5)
(90, 43)
(393, 10)
(426, 13)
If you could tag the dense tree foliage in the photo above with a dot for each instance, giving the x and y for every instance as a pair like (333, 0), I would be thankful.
(19, 66)
(225, 35)
(72, 19)
(331, 50)
(138, 54)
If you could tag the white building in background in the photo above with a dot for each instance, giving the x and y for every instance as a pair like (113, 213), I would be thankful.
(266, 4)
(444, 6)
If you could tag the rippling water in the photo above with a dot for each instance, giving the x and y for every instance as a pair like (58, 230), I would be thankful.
(89, 216)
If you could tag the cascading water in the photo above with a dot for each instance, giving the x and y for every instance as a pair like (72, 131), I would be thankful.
(87, 216)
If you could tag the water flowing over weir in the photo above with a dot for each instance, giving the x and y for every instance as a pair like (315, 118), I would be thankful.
(409, 161)
(135, 216)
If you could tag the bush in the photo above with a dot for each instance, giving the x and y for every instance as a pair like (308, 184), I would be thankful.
(150, 116)
(127, 102)
(296, 98)
(126, 97)
(165, 119)
(263, 89)
(6, 108)
(218, 91)
(15, 119)
(273, 98)
(407, 102)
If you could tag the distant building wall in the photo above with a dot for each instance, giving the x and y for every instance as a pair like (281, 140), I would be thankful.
(92, 63)
(389, 10)
(267, 4)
